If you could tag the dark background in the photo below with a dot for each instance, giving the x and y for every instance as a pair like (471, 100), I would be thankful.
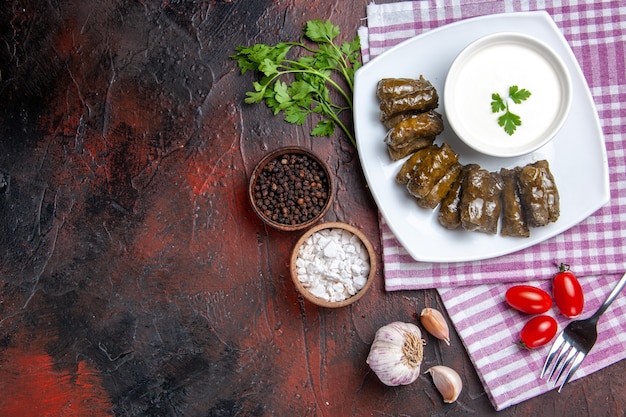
(135, 280)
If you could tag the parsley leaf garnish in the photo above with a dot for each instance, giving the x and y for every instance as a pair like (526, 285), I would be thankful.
(509, 121)
(301, 83)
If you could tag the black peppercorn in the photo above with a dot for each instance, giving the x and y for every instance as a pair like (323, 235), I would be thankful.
(294, 193)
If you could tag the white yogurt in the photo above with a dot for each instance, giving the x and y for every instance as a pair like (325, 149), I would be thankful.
(493, 68)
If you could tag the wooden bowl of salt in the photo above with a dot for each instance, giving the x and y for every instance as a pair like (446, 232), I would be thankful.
(333, 264)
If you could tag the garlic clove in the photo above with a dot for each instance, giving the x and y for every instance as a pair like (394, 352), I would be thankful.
(396, 353)
(447, 381)
(435, 323)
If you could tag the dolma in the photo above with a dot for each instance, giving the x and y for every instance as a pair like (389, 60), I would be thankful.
(413, 133)
(480, 204)
(389, 88)
(430, 170)
(539, 194)
(513, 221)
(409, 166)
(397, 153)
(422, 125)
(449, 211)
(394, 120)
(441, 188)
(421, 99)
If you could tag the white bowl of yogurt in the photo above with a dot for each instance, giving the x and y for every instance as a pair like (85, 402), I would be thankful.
(507, 94)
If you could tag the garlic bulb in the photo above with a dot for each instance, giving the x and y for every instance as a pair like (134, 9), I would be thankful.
(447, 381)
(434, 322)
(396, 353)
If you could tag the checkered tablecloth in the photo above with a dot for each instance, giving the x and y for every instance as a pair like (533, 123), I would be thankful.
(472, 292)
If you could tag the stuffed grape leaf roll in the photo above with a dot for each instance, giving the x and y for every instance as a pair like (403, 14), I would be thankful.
(390, 88)
(413, 133)
(449, 211)
(403, 95)
(441, 188)
(513, 221)
(480, 205)
(430, 170)
(539, 194)
(409, 166)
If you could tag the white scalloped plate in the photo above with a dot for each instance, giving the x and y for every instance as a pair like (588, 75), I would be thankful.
(577, 155)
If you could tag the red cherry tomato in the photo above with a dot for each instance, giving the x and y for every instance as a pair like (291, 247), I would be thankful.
(537, 332)
(528, 299)
(568, 294)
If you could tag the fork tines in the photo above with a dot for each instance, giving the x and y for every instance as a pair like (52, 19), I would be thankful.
(562, 355)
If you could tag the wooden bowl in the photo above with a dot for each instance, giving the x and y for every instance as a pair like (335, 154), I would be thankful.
(485, 68)
(273, 214)
(321, 301)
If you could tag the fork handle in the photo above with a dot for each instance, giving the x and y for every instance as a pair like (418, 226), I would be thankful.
(611, 297)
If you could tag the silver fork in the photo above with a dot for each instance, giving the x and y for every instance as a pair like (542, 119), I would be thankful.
(575, 342)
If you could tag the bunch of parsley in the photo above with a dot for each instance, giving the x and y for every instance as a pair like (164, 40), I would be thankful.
(301, 84)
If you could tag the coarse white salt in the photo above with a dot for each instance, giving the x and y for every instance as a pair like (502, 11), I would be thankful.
(333, 264)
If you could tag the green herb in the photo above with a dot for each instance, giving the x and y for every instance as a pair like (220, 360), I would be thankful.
(302, 85)
(509, 121)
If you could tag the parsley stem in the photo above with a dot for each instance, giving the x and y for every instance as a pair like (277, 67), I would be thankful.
(341, 60)
(342, 126)
(346, 131)
(343, 66)
(326, 78)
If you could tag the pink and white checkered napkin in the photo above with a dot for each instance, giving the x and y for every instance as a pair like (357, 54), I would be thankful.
(472, 292)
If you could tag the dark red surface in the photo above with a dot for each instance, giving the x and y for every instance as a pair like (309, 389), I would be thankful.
(135, 280)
